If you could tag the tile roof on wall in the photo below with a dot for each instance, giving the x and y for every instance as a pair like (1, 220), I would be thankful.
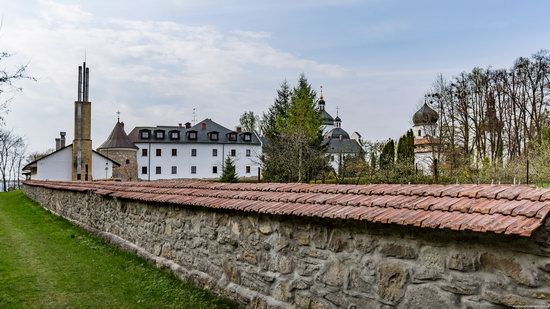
(502, 209)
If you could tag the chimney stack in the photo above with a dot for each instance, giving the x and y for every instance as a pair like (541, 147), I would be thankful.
(179, 125)
(203, 125)
(238, 129)
(57, 143)
(187, 125)
(62, 139)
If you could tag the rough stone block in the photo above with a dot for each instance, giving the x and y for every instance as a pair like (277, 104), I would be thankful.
(463, 261)
(392, 277)
(402, 251)
(427, 296)
(510, 267)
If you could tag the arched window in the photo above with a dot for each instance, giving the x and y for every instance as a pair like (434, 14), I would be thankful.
(419, 132)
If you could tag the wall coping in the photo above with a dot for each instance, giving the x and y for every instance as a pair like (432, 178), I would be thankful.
(501, 209)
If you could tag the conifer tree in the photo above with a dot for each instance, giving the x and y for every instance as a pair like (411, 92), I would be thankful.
(387, 156)
(229, 172)
(405, 148)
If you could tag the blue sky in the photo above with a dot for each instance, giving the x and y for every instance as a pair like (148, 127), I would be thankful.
(156, 61)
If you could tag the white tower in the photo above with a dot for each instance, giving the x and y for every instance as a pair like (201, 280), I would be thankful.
(426, 140)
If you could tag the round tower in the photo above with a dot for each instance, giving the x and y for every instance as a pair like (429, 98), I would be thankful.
(119, 148)
(425, 138)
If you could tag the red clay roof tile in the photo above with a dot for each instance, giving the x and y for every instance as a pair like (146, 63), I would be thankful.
(517, 210)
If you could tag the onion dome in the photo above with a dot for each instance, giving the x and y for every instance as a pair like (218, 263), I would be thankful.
(337, 133)
(425, 116)
(118, 139)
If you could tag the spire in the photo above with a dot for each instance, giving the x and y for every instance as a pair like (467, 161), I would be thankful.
(337, 120)
(321, 101)
(118, 116)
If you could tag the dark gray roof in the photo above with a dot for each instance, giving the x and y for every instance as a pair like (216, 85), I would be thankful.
(327, 118)
(336, 133)
(425, 115)
(202, 134)
(342, 146)
(118, 138)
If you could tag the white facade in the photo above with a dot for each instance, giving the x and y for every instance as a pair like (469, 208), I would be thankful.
(57, 166)
(423, 154)
(200, 163)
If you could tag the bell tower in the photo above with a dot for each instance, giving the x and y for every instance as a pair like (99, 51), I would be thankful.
(82, 143)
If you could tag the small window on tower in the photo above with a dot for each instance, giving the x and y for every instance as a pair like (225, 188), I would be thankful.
(419, 133)
(127, 161)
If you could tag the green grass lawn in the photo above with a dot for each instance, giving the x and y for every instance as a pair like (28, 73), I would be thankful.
(45, 261)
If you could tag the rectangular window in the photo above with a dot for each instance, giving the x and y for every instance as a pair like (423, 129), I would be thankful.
(144, 170)
(193, 169)
(159, 152)
(192, 135)
(174, 152)
(193, 152)
(247, 137)
(174, 135)
(248, 169)
(232, 137)
(233, 152)
(144, 134)
(159, 135)
(214, 169)
(144, 152)
(248, 152)
(214, 152)
(158, 170)
(174, 170)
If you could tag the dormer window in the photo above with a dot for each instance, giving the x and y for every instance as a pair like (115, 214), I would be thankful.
(192, 135)
(174, 135)
(247, 137)
(159, 134)
(214, 136)
(232, 136)
(145, 134)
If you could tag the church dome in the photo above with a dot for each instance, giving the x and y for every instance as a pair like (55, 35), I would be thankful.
(336, 133)
(425, 116)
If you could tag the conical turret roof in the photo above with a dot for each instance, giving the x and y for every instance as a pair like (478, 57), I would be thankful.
(118, 139)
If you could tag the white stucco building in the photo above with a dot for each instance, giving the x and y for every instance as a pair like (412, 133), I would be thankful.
(57, 166)
(174, 152)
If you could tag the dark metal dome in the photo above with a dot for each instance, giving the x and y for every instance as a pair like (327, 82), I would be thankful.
(336, 133)
(425, 115)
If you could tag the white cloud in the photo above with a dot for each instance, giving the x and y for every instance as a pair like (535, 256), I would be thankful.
(155, 71)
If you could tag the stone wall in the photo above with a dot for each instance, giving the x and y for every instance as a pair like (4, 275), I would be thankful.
(270, 261)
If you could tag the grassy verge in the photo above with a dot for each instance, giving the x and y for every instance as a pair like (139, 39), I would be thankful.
(45, 261)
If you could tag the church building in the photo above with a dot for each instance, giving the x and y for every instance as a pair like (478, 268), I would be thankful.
(77, 161)
(339, 144)
(426, 141)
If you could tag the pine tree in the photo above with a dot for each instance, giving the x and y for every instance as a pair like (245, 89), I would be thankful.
(387, 156)
(229, 172)
(292, 128)
(405, 148)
